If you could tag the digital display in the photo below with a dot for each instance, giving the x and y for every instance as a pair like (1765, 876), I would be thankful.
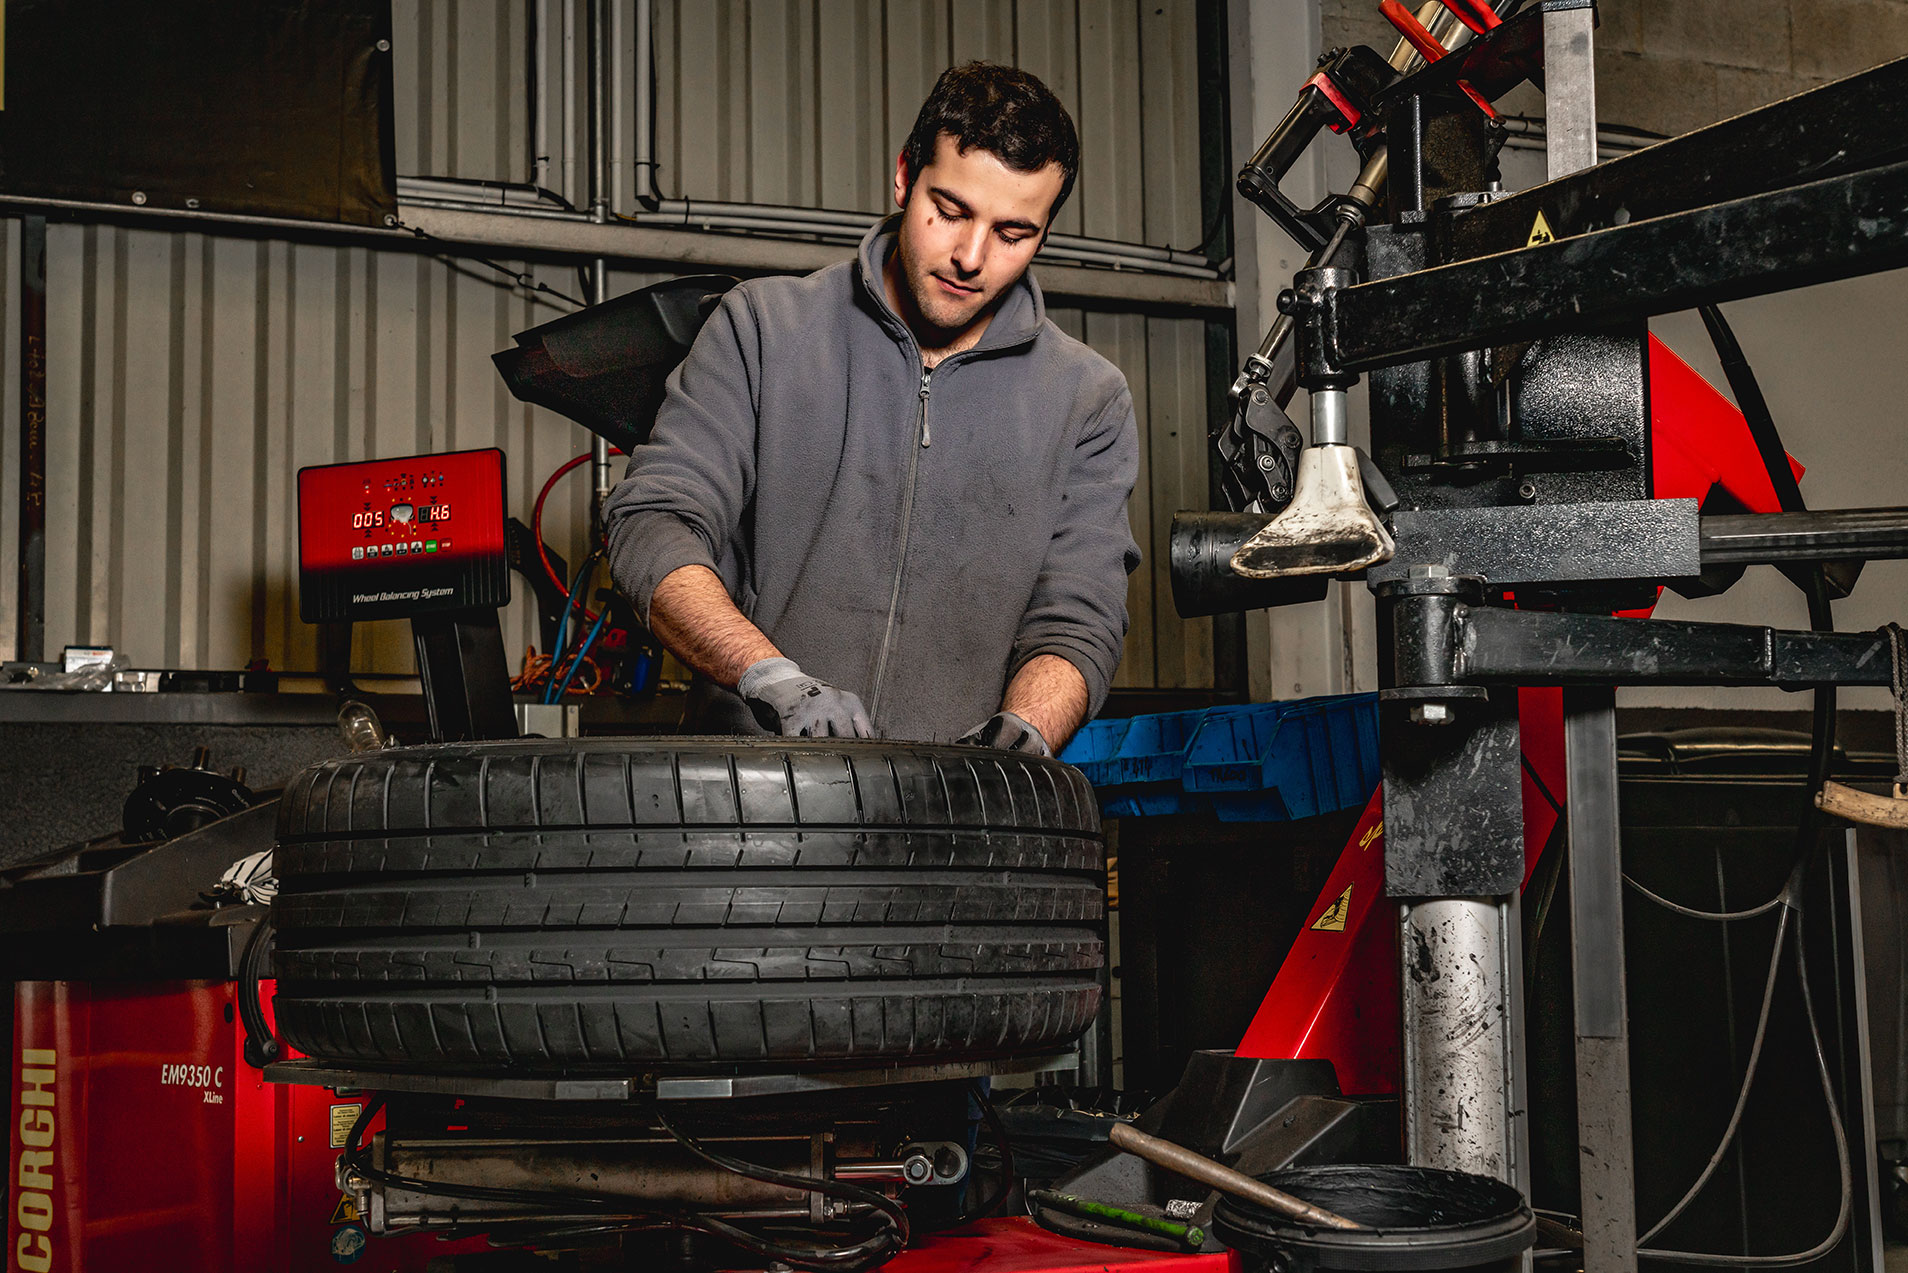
(386, 538)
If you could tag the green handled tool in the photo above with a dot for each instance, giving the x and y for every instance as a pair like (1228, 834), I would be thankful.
(1189, 1234)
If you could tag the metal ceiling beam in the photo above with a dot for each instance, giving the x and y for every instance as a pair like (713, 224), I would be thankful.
(570, 236)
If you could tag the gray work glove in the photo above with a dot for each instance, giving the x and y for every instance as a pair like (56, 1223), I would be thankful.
(790, 702)
(1007, 732)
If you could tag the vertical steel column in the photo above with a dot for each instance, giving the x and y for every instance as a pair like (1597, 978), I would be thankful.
(1463, 1037)
(1570, 86)
(1606, 1153)
(599, 212)
(1604, 1143)
(30, 633)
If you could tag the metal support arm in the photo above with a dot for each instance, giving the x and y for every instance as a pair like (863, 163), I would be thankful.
(1815, 233)
(1447, 641)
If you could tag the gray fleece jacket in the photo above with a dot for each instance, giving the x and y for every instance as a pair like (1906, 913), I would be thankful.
(912, 536)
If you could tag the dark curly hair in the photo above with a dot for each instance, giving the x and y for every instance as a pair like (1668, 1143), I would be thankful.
(1004, 111)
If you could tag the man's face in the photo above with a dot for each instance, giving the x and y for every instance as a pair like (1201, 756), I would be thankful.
(969, 229)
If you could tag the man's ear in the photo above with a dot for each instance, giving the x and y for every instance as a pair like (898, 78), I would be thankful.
(901, 182)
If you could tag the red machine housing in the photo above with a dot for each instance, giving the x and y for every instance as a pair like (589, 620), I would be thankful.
(142, 1140)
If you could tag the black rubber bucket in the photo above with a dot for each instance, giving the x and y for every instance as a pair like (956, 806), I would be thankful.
(1416, 1218)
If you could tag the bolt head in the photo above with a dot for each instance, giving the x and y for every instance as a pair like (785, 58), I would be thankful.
(1288, 302)
(1431, 714)
(139, 197)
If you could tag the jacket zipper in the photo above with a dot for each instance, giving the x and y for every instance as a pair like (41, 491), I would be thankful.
(901, 560)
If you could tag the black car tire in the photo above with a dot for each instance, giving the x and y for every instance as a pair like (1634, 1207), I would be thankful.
(531, 905)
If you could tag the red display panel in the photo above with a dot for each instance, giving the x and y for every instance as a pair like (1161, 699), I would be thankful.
(385, 539)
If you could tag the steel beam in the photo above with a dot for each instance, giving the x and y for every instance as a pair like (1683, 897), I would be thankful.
(1841, 534)
(1495, 646)
(29, 643)
(1836, 228)
(1841, 127)
(1605, 1153)
(571, 236)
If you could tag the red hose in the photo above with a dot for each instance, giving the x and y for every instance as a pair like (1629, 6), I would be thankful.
(536, 529)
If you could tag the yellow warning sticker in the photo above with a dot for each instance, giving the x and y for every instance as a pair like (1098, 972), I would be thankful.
(1540, 231)
(346, 1212)
(1333, 920)
(342, 1116)
(1372, 833)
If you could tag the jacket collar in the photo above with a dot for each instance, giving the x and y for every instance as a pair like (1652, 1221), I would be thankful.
(1016, 322)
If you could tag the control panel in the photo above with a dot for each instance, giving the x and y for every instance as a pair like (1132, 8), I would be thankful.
(387, 539)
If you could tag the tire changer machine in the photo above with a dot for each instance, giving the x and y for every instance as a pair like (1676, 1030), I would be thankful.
(1538, 468)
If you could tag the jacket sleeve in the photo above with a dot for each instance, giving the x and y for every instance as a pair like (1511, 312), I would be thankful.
(687, 487)
(1078, 608)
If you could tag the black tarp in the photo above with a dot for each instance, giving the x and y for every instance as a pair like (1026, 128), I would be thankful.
(606, 367)
(275, 108)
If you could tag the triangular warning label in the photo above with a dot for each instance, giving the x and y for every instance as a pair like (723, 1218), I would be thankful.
(1333, 920)
(1540, 232)
(346, 1212)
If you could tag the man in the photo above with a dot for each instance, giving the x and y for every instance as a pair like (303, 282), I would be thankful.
(889, 499)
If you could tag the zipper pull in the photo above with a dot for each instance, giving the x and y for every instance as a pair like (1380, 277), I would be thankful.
(927, 438)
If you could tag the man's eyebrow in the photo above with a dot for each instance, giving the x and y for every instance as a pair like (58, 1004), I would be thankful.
(943, 193)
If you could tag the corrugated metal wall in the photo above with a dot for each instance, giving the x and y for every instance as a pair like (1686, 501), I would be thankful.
(190, 376)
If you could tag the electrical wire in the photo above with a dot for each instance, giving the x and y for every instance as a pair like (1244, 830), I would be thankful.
(1718, 916)
(1814, 584)
(866, 1254)
(581, 656)
(1748, 1077)
(261, 1046)
(991, 1116)
(1836, 1127)
(569, 606)
(519, 277)
(536, 522)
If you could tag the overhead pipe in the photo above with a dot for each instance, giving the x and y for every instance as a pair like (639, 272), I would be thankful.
(599, 14)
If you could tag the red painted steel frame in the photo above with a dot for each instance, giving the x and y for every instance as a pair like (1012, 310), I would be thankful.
(1336, 994)
(142, 1140)
(1019, 1245)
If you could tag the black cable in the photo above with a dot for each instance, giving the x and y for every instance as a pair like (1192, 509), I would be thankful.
(519, 277)
(1754, 407)
(261, 1047)
(1006, 1183)
(1813, 580)
(866, 1254)
(1005, 1186)
(1836, 1127)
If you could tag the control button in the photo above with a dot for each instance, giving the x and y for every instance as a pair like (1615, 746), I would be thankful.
(387, 550)
(430, 545)
(357, 554)
(402, 548)
(417, 545)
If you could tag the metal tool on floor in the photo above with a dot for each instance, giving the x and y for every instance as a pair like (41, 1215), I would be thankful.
(1163, 1153)
(1187, 1234)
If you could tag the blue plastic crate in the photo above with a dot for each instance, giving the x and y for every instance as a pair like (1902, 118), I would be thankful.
(1141, 778)
(1273, 762)
(1093, 748)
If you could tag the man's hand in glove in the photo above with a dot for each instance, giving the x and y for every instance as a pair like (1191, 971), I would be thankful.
(1007, 732)
(789, 702)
